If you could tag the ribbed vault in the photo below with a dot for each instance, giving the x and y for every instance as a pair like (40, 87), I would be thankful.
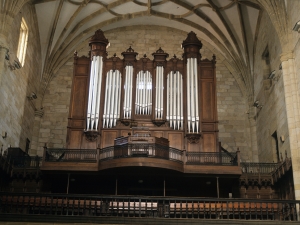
(229, 27)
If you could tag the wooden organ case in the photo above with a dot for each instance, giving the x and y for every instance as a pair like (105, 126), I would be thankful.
(174, 99)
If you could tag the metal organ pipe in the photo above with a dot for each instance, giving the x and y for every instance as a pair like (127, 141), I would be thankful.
(192, 96)
(98, 93)
(168, 96)
(188, 95)
(174, 100)
(143, 100)
(128, 92)
(196, 95)
(181, 99)
(89, 109)
(159, 93)
(112, 99)
(94, 93)
(171, 99)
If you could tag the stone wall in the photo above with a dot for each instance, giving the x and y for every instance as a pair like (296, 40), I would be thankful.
(233, 122)
(272, 116)
(16, 111)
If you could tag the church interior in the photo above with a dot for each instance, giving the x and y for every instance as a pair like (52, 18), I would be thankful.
(150, 108)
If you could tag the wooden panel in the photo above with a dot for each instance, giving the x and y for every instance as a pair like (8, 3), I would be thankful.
(208, 100)
(158, 134)
(81, 70)
(108, 138)
(175, 140)
(75, 139)
(209, 142)
(79, 93)
(124, 133)
(194, 147)
(78, 123)
(208, 127)
(207, 73)
(86, 144)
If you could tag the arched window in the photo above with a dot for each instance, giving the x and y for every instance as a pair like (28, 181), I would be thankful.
(22, 42)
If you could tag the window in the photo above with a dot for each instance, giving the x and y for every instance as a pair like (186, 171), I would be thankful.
(22, 42)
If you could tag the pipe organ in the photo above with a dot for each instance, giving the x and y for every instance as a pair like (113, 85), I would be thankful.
(174, 99)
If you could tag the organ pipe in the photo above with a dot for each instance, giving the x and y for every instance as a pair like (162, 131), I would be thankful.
(128, 92)
(94, 93)
(159, 93)
(143, 103)
(192, 96)
(112, 99)
(175, 100)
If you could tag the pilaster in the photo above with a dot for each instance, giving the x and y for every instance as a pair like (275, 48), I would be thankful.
(290, 81)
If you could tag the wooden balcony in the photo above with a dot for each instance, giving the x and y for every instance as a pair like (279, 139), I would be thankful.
(89, 206)
(145, 155)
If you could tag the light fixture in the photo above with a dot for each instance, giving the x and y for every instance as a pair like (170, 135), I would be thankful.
(4, 134)
(297, 27)
(272, 75)
(32, 96)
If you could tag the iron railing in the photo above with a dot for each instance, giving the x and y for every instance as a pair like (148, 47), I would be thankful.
(71, 155)
(134, 206)
(215, 158)
(26, 161)
(258, 168)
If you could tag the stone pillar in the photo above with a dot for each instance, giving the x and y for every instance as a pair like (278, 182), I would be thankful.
(291, 92)
(253, 155)
(35, 148)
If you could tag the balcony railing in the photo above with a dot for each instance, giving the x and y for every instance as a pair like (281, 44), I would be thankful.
(258, 168)
(141, 150)
(132, 206)
(71, 155)
(215, 158)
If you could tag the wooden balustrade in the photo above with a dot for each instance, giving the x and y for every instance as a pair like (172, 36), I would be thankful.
(131, 206)
(221, 158)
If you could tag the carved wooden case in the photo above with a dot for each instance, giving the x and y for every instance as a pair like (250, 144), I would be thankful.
(206, 137)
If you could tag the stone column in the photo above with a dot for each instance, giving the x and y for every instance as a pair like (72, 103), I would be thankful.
(253, 155)
(290, 82)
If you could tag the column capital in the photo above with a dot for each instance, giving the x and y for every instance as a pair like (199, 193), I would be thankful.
(286, 56)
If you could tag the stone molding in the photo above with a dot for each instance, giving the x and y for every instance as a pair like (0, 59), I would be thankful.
(286, 56)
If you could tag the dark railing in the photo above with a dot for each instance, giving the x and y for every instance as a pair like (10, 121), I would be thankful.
(133, 206)
(12, 163)
(141, 150)
(256, 168)
(26, 162)
(215, 158)
(71, 155)
(281, 169)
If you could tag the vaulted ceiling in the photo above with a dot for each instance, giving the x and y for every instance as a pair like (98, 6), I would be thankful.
(229, 26)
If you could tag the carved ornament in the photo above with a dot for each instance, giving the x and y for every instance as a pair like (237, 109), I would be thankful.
(91, 135)
(193, 138)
